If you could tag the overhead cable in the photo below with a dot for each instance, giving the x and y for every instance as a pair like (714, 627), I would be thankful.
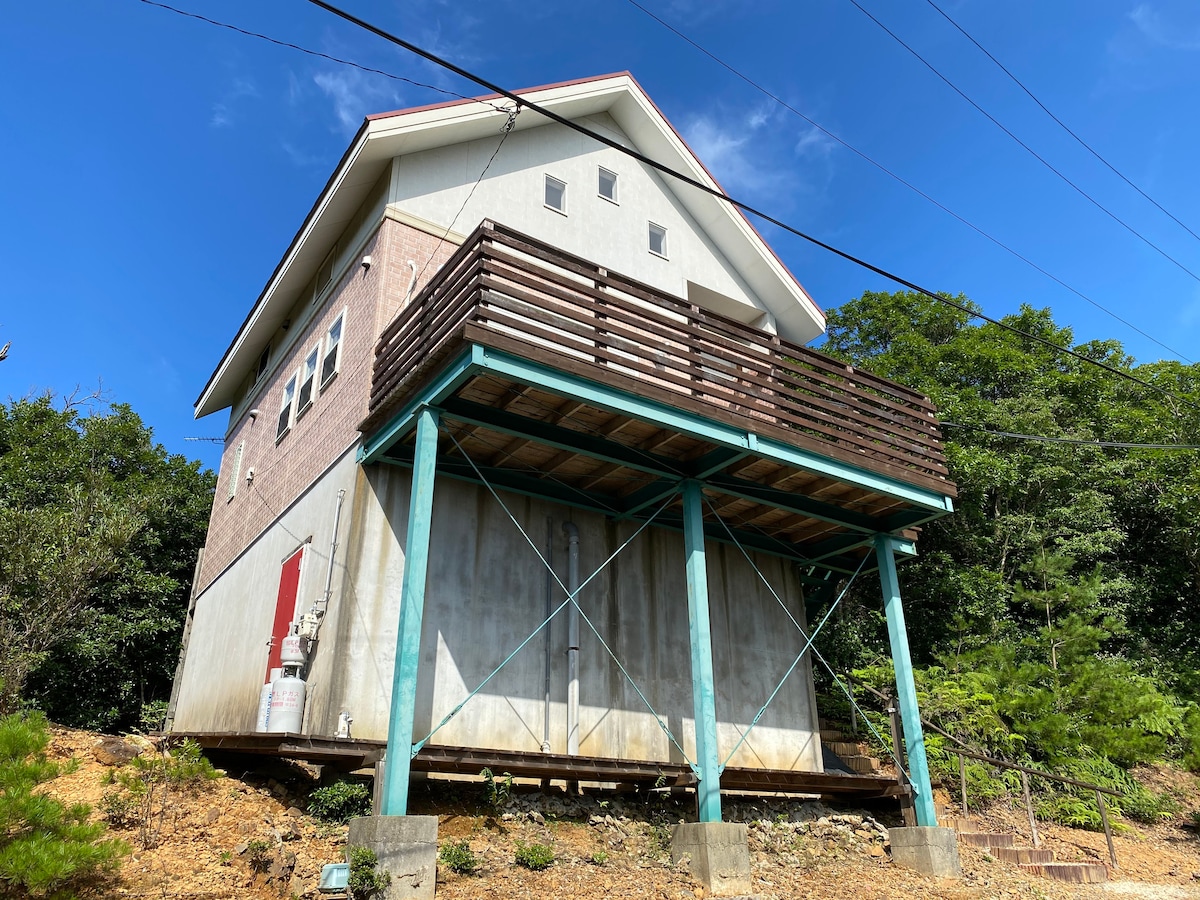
(1100, 206)
(900, 179)
(1077, 441)
(1086, 146)
(721, 195)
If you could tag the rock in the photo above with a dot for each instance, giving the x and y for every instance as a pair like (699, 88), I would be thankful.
(212, 816)
(240, 848)
(536, 816)
(112, 751)
(295, 812)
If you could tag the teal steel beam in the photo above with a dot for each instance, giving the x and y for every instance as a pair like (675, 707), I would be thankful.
(792, 502)
(612, 399)
(886, 546)
(406, 667)
(643, 498)
(452, 378)
(560, 438)
(514, 481)
(714, 461)
(704, 693)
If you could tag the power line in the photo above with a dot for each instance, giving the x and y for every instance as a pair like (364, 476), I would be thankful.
(912, 187)
(1077, 441)
(717, 193)
(1088, 147)
(1025, 146)
(291, 46)
(721, 195)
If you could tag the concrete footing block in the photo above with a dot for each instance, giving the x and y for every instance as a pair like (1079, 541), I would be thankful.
(719, 854)
(927, 849)
(407, 850)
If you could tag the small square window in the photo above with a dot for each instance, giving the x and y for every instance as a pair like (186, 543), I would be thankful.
(556, 194)
(608, 185)
(658, 240)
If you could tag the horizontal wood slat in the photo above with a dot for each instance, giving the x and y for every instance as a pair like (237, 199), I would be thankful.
(510, 291)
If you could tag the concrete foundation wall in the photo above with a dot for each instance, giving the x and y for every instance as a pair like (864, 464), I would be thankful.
(487, 592)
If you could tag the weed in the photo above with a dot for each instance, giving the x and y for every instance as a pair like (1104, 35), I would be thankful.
(534, 857)
(148, 782)
(121, 808)
(365, 878)
(599, 858)
(226, 857)
(340, 802)
(498, 791)
(457, 857)
(258, 855)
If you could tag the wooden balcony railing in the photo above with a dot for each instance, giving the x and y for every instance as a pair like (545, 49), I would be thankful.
(505, 290)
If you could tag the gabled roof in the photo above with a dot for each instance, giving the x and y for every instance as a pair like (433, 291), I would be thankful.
(387, 135)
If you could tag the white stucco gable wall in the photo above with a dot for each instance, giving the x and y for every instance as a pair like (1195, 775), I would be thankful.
(435, 184)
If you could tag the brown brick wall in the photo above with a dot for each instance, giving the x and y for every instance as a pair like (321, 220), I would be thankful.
(284, 469)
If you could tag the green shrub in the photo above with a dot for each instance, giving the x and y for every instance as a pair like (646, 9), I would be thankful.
(365, 878)
(146, 786)
(458, 858)
(46, 847)
(258, 855)
(340, 802)
(534, 857)
(498, 790)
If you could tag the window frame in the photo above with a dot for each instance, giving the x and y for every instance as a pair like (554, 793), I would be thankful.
(547, 178)
(264, 363)
(326, 380)
(287, 409)
(615, 198)
(661, 254)
(326, 270)
(235, 473)
(308, 380)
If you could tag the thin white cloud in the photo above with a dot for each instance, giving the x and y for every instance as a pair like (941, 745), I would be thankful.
(1155, 26)
(760, 153)
(355, 95)
(223, 109)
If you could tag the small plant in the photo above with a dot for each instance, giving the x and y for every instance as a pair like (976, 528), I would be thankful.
(258, 855)
(121, 808)
(148, 782)
(498, 791)
(660, 838)
(226, 857)
(365, 878)
(534, 857)
(599, 858)
(340, 802)
(458, 858)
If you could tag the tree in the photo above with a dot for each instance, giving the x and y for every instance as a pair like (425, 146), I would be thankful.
(100, 528)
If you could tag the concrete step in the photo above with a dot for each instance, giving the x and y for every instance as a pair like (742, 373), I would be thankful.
(985, 839)
(1023, 855)
(1072, 873)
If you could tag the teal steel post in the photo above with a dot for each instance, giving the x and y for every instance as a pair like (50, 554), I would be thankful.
(412, 610)
(906, 689)
(704, 694)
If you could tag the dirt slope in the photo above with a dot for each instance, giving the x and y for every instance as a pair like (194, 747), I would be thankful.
(210, 841)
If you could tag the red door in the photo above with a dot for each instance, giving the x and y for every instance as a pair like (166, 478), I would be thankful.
(285, 608)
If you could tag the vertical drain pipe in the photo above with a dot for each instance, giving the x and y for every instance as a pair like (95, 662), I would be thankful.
(572, 532)
(549, 609)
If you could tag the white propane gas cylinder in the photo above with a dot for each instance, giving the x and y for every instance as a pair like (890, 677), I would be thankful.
(264, 707)
(287, 705)
(291, 651)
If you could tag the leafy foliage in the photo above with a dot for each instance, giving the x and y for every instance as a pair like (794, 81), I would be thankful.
(340, 802)
(47, 849)
(147, 785)
(458, 858)
(534, 857)
(1055, 603)
(100, 528)
(365, 878)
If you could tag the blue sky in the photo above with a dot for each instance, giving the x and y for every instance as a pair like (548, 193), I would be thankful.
(155, 167)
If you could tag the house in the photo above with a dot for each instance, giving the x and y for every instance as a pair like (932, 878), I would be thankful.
(502, 363)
